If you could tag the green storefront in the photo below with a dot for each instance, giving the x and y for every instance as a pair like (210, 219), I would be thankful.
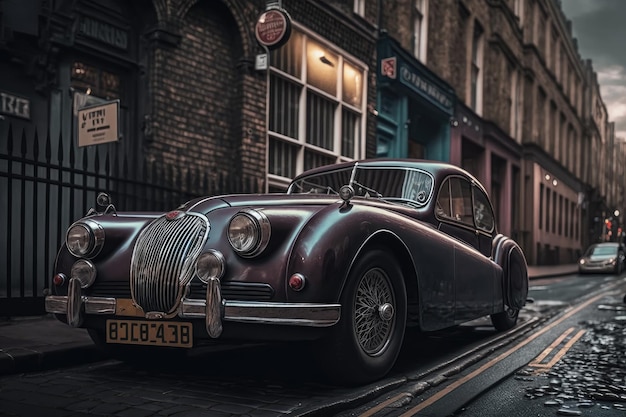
(415, 107)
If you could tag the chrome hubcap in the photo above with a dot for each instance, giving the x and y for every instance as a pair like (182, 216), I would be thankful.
(385, 312)
(374, 311)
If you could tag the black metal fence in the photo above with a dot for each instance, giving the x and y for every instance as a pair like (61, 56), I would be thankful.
(47, 184)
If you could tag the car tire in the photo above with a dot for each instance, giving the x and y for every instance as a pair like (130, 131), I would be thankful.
(364, 345)
(505, 320)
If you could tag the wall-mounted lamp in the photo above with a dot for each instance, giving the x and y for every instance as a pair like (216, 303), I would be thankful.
(326, 61)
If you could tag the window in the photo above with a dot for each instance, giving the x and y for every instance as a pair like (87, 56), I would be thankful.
(541, 200)
(420, 29)
(316, 108)
(547, 209)
(552, 137)
(96, 82)
(515, 128)
(476, 70)
(359, 7)
(483, 216)
(455, 201)
(518, 9)
(542, 101)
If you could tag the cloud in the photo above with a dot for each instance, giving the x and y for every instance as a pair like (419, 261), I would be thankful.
(576, 8)
(600, 32)
(612, 80)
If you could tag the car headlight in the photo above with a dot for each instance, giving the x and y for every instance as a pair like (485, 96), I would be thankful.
(582, 262)
(84, 271)
(210, 264)
(249, 232)
(84, 239)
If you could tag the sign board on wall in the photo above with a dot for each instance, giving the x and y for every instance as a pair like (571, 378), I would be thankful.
(14, 106)
(273, 28)
(98, 124)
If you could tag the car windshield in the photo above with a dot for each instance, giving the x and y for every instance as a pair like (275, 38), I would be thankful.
(602, 250)
(404, 185)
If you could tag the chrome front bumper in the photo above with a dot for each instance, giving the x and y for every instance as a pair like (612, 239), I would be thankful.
(213, 309)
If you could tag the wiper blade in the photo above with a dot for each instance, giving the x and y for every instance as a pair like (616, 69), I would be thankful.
(369, 190)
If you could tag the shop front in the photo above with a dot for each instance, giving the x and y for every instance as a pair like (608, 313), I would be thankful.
(415, 107)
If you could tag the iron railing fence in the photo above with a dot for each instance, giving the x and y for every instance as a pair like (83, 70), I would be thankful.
(47, 184)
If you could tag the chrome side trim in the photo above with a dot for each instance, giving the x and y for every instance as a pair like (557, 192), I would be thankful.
(297, 314)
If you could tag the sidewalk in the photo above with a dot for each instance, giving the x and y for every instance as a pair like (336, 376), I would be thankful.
(42, 342)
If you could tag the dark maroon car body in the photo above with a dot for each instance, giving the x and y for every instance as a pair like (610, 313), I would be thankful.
(347, 258)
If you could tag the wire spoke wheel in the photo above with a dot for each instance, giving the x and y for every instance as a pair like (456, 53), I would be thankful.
(374, 311)
(364, 344)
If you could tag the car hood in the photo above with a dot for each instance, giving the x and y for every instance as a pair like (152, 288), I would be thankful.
(206, 205)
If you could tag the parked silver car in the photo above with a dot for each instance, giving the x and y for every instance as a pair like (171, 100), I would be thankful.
(607, 257)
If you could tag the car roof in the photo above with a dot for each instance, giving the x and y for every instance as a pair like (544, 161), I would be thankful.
(438, 169)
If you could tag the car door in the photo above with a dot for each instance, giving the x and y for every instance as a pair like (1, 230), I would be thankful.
(473, 274)
(454, 210)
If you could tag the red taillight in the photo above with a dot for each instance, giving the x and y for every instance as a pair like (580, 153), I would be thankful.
(296, 282)
(58, 280)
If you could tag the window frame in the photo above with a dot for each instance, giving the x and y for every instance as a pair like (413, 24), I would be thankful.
(343, 111)
(476, 66)
(420, 29)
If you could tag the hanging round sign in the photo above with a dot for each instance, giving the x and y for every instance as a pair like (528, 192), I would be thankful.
(273, 28)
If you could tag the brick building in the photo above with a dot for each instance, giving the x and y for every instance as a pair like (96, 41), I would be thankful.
(197, 112)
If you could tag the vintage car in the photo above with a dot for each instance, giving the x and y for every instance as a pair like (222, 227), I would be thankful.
(605, 257)
(345, 260)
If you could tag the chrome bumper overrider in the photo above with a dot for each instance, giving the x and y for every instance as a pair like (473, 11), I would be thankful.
(213, 309)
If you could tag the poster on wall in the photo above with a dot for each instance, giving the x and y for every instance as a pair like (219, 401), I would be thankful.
(98, 123)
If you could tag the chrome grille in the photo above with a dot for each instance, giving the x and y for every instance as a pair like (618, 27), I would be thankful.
(163, 261)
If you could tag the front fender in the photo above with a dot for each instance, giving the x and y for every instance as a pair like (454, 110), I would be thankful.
(329, 243)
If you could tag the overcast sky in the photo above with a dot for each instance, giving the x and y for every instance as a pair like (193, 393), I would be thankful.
(600, 28)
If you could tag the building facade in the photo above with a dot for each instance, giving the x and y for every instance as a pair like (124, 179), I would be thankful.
(201, 108)
(528, 118)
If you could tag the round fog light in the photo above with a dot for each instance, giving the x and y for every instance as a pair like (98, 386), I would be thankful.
(210, 264)
(85, 272)
(297, 282)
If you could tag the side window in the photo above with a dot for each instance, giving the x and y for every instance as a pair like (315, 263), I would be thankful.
(455, 201)
(483, 215)
(443, 201)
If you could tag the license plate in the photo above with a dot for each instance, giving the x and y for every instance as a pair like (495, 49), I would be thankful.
(151, 333)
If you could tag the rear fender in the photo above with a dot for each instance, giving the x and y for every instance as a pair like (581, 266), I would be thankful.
(510, 257)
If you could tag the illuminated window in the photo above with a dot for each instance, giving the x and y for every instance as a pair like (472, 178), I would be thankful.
(316, 108)
(95, 81)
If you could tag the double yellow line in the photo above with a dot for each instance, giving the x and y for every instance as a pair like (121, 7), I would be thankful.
(538, 363)
(456, 384)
